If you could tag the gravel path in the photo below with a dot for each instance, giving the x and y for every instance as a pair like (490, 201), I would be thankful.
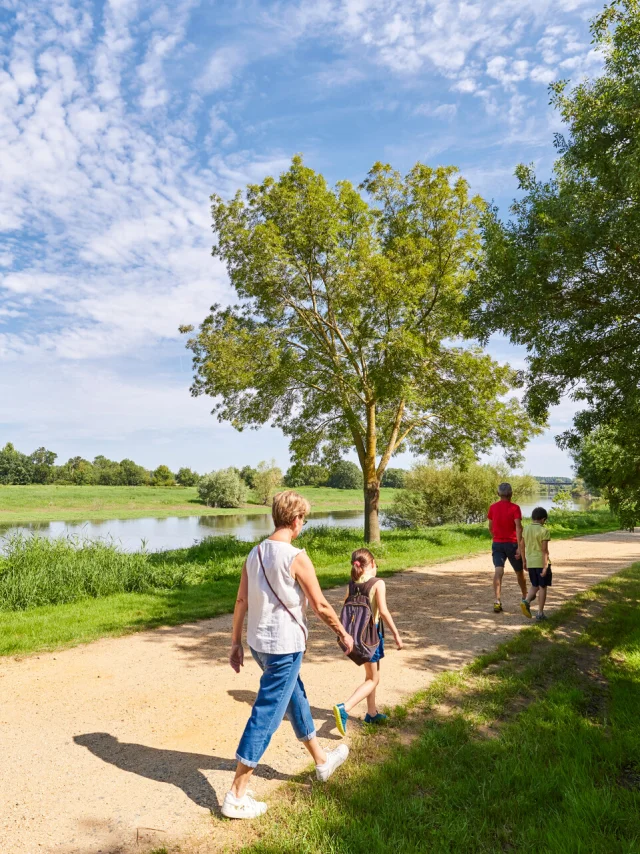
(127, 744)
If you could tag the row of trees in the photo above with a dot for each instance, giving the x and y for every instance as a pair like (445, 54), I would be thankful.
(40, 467)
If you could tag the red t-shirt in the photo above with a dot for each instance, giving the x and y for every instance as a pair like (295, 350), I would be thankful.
(503, 514)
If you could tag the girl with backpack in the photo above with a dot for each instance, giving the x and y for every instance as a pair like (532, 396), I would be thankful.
(363, 615)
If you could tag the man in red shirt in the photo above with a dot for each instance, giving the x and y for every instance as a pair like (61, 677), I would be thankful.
(505, 527)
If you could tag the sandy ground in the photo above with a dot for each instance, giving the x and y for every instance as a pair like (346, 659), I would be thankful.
(127, 744)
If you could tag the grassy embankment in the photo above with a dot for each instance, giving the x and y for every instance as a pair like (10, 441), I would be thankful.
(95, 503)
(533, 748)
(52, 594)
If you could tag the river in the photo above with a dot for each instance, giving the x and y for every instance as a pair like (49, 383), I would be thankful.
(179, 532)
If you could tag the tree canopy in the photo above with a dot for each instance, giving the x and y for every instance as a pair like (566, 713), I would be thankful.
(562, 277)
(350, 326)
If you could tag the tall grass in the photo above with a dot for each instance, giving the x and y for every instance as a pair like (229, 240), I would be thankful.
(37, 571)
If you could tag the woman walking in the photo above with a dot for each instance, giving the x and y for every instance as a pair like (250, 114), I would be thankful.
(277, 581)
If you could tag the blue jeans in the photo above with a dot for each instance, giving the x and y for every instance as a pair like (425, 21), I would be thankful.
(281, 693)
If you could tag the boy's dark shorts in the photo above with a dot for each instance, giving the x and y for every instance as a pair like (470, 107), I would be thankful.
(537, 579)
(503, 552)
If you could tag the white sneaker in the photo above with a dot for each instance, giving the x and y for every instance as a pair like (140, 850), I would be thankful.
(335, 758)
(244, 807)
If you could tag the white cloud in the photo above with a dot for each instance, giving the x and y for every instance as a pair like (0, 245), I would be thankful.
(222, 68)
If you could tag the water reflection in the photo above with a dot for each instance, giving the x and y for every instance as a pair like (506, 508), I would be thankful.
(174, 532)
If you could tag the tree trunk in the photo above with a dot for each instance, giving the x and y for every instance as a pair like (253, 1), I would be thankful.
(371, 505)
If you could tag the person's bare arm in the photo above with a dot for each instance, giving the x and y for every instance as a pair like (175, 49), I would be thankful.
(523, 553)
(519, 536)
(545, 556)
(236, 659)
(303, 571)
(381, 594)
(490, 526)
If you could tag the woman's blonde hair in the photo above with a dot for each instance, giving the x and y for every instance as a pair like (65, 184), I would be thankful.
(287, 506)
(361, 560)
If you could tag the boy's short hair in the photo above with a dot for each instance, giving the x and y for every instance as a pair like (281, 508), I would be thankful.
(539, 514)
(287, 506)
(505, 490)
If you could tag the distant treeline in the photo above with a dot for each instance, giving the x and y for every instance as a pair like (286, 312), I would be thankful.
(40, 467)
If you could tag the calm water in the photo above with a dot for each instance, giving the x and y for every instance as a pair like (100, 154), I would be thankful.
(174, 533)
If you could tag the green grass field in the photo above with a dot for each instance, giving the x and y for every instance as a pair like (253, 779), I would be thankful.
(94, 503)
(534, 748)
(52, 595)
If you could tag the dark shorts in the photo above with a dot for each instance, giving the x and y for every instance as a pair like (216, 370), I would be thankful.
(503, 552)
(379, 653)
(537, 579)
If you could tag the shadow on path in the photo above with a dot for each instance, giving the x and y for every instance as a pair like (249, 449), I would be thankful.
(183, 770)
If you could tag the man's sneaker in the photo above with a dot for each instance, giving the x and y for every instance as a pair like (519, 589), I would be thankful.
(244, 807)
(335, 758)
(541, 617)
(525, 607)
(497, 607)
(378, 718)
(341, 717)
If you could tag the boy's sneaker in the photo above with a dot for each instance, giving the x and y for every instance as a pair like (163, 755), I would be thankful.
(341, 717)
(541, 617)
(525, 607)
(497, 607)
(335, 758)
(378, 718)
(244, 807)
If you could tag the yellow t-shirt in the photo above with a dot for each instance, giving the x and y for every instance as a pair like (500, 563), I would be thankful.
(534, 535)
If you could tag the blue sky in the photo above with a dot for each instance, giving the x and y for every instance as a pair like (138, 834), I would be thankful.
(118, 120)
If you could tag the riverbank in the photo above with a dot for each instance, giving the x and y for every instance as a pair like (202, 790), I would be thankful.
(54, 595)
(54, 502)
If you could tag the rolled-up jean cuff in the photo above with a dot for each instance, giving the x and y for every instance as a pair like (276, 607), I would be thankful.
(308, 737)
(246, 761)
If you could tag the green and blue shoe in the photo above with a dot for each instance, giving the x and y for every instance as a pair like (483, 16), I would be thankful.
(378, 718)
(341, 717)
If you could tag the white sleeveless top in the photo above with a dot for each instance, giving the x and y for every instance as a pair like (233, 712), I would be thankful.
(270, 628)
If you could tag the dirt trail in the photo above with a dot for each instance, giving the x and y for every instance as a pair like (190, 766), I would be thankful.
(127, 744)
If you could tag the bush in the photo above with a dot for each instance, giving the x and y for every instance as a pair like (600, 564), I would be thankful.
(346, 475)
(163, 476)
(301, 474)
(267, 479)
(438, 495)
(394, 478)
(224, 488)
(248, 474)
(187, 477)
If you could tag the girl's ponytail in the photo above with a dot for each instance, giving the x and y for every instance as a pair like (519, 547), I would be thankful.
(361, 560)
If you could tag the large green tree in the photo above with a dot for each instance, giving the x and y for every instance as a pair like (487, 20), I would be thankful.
(350, 323)
(562, 276)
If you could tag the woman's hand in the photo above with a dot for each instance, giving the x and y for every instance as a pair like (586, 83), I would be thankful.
(399, 643)
(236, 659)
(346, 643)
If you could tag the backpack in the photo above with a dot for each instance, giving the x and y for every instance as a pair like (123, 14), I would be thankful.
(357, 618)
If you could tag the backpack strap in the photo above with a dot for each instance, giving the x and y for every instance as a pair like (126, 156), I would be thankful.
(293, 617)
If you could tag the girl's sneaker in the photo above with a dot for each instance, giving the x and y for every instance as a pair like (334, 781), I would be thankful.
(378, 718)
(244, 807)
(525, 607)
(341, 717)
(541, 617)
(497, 607)
(335, 758)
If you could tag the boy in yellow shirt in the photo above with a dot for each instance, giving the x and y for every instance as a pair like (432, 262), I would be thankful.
(535, 554)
